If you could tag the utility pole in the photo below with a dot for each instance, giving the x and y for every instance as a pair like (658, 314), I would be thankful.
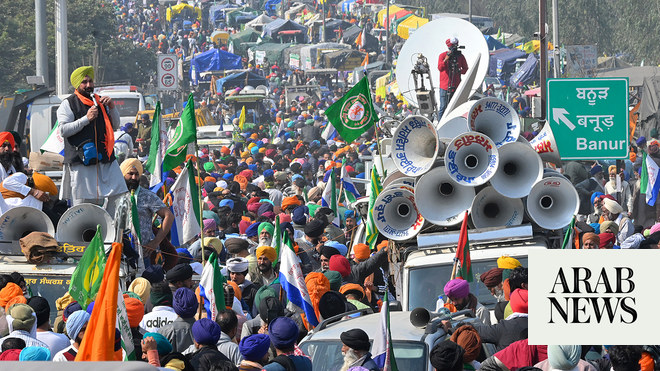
(61, 48)
(470, 11)
(555, 39)
(387, 34)
(322, 38)
(41, 49)
(544, 56)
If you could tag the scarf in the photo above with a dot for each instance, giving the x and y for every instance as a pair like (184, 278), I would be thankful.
(109, 132)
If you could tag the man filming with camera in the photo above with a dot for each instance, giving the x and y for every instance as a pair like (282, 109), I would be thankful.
(452, 65)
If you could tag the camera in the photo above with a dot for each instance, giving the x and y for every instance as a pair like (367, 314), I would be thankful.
(455, 49)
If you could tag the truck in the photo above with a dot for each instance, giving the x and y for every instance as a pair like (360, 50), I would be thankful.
(127, 99)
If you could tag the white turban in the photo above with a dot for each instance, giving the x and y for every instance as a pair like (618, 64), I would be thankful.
(237, 265)
(612, 206)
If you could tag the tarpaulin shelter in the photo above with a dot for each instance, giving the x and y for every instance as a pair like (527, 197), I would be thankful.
(240, 40)
(351, 34)
(240, 80)
(345, 60)
(383, 13)
(311, 52)
(609, 63)
(533, 46)
(297, 8)
(334, 25)
(272, 51)
(396, 18)
(217, 13)
(503, 61)
(220, 37)
(526, 72)
(239, 16)
(635, 75)
(185, 10)
(493, 43)
(276, 28)
(270, 6)
(259, 22)
(293, 51)
(213, 60)
(409, 25)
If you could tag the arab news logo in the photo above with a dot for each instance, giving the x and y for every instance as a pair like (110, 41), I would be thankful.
(355, 113)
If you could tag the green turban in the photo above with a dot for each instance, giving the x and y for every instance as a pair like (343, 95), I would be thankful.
(267, 226)
(209, 166)
(334, 278)
(78, 75)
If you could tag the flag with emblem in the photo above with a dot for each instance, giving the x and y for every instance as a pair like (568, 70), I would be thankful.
(464, 270)
(376, 188)
(159, 144)
(354, 113)
(184, 134)
(86, 278)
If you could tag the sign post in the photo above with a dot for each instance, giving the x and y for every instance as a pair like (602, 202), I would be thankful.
(589, 117)
(167, 72)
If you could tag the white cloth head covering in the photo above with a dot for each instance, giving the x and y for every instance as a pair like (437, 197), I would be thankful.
(237, 265)
(612, 206)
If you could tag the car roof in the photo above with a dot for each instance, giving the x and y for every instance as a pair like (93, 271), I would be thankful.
(403, 331)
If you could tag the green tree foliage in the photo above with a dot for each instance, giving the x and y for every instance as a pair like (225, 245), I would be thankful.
(92, 38)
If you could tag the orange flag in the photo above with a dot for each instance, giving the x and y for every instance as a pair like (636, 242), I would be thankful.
(99, 341)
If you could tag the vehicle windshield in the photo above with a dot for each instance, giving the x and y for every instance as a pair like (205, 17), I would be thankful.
(127, 106)
(326, 355)
(427, 283)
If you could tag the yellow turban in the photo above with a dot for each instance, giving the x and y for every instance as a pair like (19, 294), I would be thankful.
(507, 262)
(270, 252)
(142, 287)
(44, 183)
(130, 163)
(78, 75)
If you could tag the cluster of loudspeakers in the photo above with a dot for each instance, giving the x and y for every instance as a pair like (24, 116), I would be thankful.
(76, 226)
(475, 162)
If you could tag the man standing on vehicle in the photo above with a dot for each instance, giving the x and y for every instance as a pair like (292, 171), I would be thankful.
(458, 292)
(355, 350)
(452, 65)
(87, 123)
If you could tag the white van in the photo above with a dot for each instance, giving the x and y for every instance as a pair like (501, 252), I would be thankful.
(127, 100)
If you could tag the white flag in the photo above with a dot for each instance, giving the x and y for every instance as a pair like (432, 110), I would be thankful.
(184, 193)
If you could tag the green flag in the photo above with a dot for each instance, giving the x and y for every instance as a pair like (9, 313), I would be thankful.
(354, 113)
(644, 177)
(568, 237)
(376, 188)
(277, 240)
(154, 148)
(184, 134)
(86, 279)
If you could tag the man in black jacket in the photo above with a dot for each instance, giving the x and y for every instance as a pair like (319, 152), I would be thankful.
(206, 334)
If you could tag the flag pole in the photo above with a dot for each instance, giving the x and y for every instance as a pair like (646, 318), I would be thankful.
(380, 152)
(200, 310)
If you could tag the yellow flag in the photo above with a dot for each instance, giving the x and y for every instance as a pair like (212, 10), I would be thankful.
(241, 118)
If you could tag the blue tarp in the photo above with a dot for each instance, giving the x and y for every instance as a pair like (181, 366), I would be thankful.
(213, 60)
(217, 12)
(503, 61)
(526, 72)
(493, 43)
(239, 80)
(346, 5)
(271, 7)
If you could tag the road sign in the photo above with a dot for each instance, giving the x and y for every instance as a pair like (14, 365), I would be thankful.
(589, 117)
(167, 72)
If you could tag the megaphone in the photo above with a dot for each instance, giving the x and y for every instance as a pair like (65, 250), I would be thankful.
(396, 215)
(415, 146)
(420, 317)
(405, 181)
(78, 224)
(438, 197)
(520, 168)
(546, 146)
(453, 127)
(471, 159)
(490, 209)
(552, 202)
(495, 118)
(20, 221)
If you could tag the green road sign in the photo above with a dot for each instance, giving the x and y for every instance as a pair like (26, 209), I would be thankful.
(589, 117)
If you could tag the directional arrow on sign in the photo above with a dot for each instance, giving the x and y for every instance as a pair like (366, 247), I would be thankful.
(559, 114)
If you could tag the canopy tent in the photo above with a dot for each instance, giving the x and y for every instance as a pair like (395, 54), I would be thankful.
(311, 52)
(185, 11)
(502, 61)
(213, 60)
(352, 33)
(409, 25)
(274, 29)
(526, 73)
(398, 17)
(240, 80)
(272, 51)
(238, 40)
(259, 22)
(635, 75)
(220, 37)
(296, 8)
(239, 16)
(345, 60)
(493, 43)
(333, 26)
(383, 13)
(612, 63)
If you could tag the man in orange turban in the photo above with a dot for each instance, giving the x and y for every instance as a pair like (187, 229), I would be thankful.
(20, 190)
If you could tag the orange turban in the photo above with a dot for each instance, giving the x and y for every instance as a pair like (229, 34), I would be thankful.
(361, 251)
(468, 338)
(6, 136)
(242, 181)
(9, 292)
(290, 201)
(317, 285)
(191, 157)
(633, 156)
(382, 244)
(44, 183)
(270, 252)
(351, 287)
(237, 291)
(134, 310)
(15, 300)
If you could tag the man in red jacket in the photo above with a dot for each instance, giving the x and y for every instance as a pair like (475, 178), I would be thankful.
(452, 65)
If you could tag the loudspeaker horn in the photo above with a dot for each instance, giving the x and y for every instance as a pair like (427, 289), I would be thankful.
(546, 146)
(439, 198)
(552, 202)
(490, 209)
(463, 92)
(403, 181)
(20, 221)
(453, 127)
(471, 159)
(415, 146)
(420, 317)
(495, 118)
(396, 215)
(520, 168)
(78, 224)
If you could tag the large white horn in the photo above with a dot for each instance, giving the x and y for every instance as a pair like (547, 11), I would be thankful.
(396, 215)
(471, 159)
(415, 146)
(78, 224)
(495, 118)
(520, 168)
(439, 198)
(552, 202)
(546, 146)
(453, 127)
(20, 221)
(490, 209)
